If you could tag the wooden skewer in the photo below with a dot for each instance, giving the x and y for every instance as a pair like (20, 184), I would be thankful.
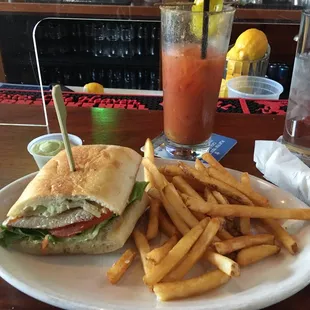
(62, 120)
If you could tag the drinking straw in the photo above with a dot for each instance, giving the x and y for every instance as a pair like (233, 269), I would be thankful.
(205, 28)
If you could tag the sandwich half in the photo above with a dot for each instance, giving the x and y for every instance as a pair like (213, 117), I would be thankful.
(92, 210)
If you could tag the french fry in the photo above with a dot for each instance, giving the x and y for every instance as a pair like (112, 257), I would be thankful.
(149, 150)
(245, 211)
(214, 184)
(201, 167)
(245, 180)
(209, 196)
(281, 235)
(179, 223)
(199, 216)
(154, 193)
(152, 228)
(158, 179)
(245, 225)
(232, 201)
(157, 254)
(143, 248)
(191, 287)
(119, 268)
(148, 153)
(184, 187)
(244, 222)
(255, 197)
(214, 163)
(196, 252)
(224, 234)
(207, 217)
(175, 200)
(196, 185)
(238, 243)
(166, 226)
(272, 225)
(216, 239)
(174, 256)
(223, 263)
(171, 170)
(256, 253)
(168, 178)
(219, 198)
(230, 226)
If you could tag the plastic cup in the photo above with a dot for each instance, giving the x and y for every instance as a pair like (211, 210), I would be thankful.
(254, 87)
(41, 160)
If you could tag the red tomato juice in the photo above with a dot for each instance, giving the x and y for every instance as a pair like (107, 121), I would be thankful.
(191, 87)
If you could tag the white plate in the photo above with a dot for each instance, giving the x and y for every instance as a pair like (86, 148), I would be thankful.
(79, 282)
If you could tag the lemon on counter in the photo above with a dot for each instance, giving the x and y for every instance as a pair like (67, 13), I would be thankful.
(233, 54)
(93, 88)
(223, 90)
(251, 45)
(197, 19)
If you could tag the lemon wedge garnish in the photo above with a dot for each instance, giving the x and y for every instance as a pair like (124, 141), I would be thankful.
(197, 19)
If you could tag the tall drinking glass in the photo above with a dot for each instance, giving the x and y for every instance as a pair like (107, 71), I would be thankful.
(296, 133)
(192, 69)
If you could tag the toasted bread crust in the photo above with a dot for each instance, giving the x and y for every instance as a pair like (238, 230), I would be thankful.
(104, 174)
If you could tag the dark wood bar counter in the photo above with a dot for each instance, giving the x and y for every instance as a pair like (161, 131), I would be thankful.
(116, 127)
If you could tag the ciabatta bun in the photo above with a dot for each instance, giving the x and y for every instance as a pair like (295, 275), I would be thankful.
(105, 174)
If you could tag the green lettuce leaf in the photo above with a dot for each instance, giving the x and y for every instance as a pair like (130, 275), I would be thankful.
(137, 192)
(12, 234)
(90, 233)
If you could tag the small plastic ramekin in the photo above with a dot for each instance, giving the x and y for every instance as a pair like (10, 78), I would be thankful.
(254, 87)
(41, 160)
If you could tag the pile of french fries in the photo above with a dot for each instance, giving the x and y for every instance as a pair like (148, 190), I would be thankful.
(208, 216)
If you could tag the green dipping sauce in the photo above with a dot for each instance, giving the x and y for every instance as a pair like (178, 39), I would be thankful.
(48, 147)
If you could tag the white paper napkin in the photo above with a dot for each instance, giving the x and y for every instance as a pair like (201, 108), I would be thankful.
(283, 168)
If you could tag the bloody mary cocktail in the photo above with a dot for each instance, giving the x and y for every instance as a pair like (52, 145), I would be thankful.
(191, 87)
(194, 46)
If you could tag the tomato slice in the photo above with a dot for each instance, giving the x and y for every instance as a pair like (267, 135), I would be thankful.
(76, 228)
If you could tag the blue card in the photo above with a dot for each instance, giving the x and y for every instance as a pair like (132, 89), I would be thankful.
(219, 146)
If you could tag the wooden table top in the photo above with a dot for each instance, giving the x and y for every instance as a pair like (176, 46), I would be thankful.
(127, 128)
